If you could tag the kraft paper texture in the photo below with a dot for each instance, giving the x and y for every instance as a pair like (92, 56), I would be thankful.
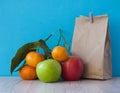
(91, 42)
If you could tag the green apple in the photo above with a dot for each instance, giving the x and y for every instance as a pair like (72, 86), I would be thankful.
(48, 70)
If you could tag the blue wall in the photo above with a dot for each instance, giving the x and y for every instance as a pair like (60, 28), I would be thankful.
(23, 21)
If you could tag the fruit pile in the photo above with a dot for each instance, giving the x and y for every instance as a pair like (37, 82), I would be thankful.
(48, 67)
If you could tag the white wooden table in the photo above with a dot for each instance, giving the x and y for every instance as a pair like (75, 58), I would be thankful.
(17, 85)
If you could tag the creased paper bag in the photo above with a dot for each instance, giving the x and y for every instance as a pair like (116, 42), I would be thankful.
(91, 42)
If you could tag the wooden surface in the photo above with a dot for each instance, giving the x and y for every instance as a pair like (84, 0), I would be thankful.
(17, 85)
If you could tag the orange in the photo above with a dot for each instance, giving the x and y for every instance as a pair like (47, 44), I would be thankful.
(33, 58)
(28, 73)
(59, 53)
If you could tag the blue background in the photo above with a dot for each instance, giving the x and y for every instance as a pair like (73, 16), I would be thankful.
(23, 21)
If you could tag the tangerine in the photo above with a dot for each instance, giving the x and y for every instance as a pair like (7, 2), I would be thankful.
(28, 73)
(33, 58)
(59, 53)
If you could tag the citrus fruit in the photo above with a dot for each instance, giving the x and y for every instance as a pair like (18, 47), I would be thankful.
(49, 70)
(59, 53)
(28, 73)
(33, 58)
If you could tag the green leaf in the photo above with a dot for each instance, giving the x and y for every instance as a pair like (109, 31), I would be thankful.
(21, 66)
(67, 47)
(42, 44)
(49, 36)
(59, 40)
(20, 55)
(65, 43)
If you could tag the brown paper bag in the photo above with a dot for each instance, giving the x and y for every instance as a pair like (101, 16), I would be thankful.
(91, 42)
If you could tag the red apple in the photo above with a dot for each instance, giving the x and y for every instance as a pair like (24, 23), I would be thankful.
(72, 69)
